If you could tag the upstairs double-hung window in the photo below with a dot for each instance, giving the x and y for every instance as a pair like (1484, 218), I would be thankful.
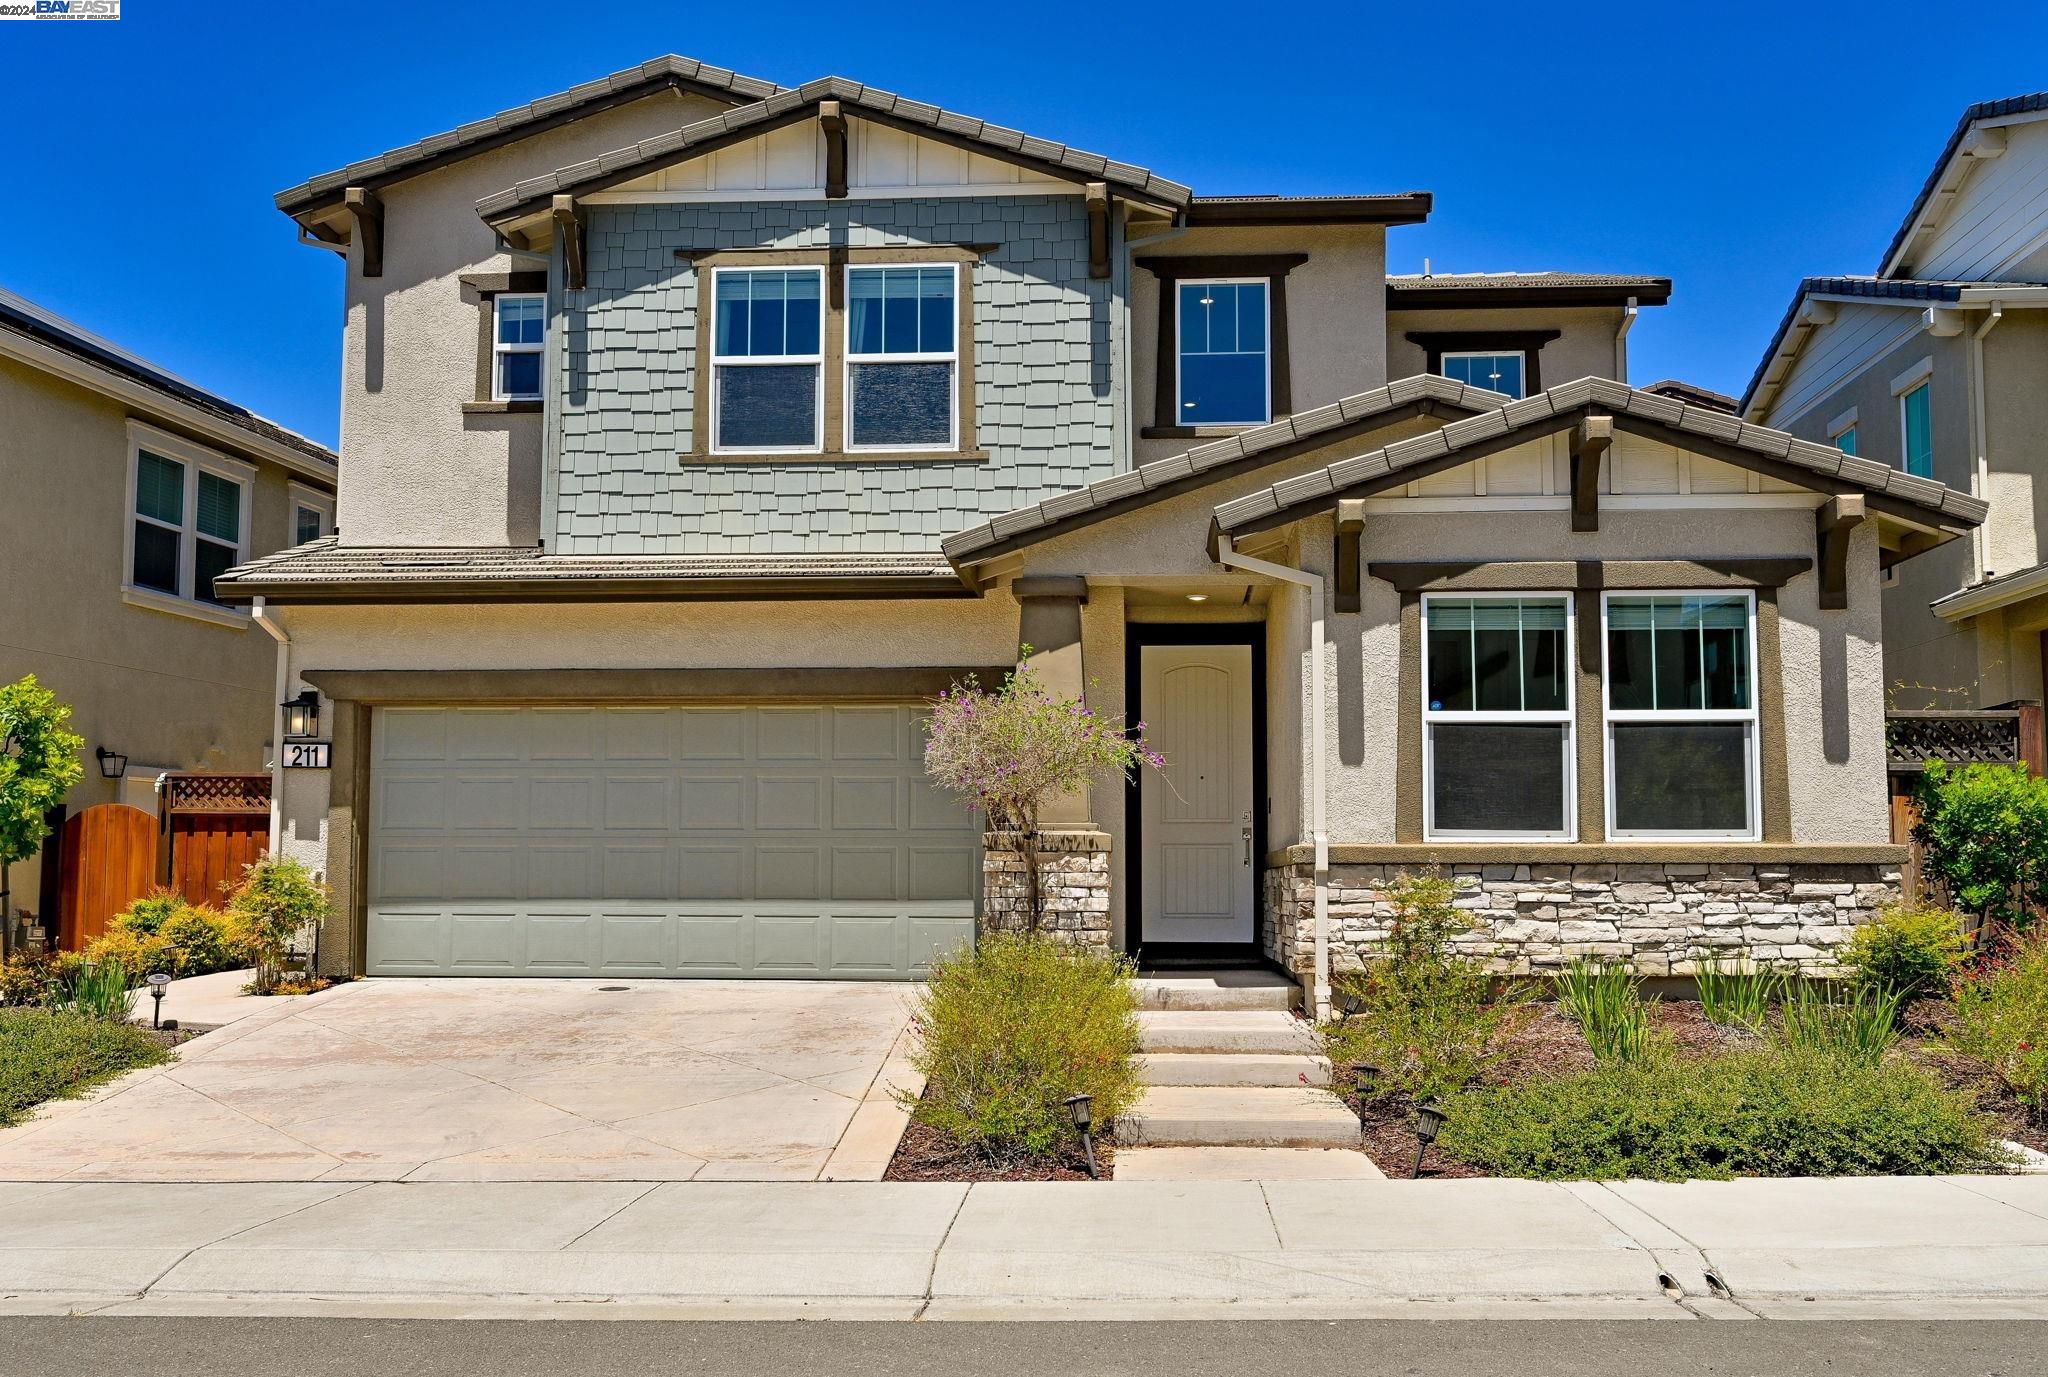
(1497, 717)
(190, 517)
(902, 358)
(518, 338)
(767, 361)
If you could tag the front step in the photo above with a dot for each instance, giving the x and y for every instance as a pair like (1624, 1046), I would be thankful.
(1251, 1031)
(1223, 1068)
(1218, 990)
(1214, 1116)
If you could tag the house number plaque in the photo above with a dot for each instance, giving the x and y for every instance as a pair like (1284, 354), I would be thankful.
(308, 755)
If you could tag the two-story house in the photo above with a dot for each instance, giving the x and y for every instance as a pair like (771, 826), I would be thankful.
(699, 430)
(127, 489)
(1937, 366)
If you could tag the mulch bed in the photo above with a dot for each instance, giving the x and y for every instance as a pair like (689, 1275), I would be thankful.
(925, 1154)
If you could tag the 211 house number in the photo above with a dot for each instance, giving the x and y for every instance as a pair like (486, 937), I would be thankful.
(308, 755)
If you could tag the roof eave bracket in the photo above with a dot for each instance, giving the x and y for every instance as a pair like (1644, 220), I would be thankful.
(571, 231)
(366, 209)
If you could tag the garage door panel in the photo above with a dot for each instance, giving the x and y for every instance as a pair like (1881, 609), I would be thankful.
(786, 841)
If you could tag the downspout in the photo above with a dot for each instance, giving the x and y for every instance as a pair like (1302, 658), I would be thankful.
(1318, 826)
(1628, 323)
(277, 697)
(1980, 472)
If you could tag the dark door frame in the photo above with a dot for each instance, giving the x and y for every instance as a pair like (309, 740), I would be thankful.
(1138, 635)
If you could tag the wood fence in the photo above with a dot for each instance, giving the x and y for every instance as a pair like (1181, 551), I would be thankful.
(2017, 735)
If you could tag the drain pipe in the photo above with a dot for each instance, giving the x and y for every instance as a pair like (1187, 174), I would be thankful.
(1628, 321)
(1980, 474)
(1318, 828)
(284, 669)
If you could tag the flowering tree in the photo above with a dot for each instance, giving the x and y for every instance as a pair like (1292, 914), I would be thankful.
(1009, 750)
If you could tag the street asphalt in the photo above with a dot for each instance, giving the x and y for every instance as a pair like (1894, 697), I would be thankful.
(193, 1347)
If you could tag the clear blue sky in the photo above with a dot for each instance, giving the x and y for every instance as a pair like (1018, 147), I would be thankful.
(1734, 148)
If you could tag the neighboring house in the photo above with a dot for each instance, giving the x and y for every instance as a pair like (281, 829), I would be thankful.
(127, 489)
(1937, 366)
(699, 430)
(1693, 394)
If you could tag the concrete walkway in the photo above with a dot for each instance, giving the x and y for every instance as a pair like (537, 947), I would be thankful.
(1947, 1247)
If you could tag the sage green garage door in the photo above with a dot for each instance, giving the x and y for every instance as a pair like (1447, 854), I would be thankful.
(783, 842)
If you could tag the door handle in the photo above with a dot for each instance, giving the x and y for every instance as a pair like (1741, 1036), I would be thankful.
(1247, 846)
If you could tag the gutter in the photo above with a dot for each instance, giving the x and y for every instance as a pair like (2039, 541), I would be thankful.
(262, 618)
(1318, 695)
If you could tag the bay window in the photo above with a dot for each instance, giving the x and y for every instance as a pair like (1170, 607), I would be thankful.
(902, 358)
(767, 360)
(1681, 715)
(1497, 717)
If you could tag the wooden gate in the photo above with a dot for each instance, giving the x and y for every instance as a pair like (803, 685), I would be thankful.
(109, 862)
(218, 824)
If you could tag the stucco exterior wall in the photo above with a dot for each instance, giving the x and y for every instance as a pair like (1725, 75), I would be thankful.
(419, 471)
(1042, 372)
(1585, 348)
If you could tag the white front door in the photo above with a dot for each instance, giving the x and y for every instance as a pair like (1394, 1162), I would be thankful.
(1198, 874)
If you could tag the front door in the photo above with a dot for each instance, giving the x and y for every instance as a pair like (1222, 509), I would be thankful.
(1198, 880)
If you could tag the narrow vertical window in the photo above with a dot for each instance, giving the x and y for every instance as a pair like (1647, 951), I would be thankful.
(766, 394)
(1497, 717)
(1845, 441)
(518, 341)
(1226, 374)
(1681, 715)
(1916, 425)
(1501, 373)
(902, 358)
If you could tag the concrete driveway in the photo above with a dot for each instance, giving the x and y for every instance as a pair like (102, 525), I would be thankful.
(504, 1080)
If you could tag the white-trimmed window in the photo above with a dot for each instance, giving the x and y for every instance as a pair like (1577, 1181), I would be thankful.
(188, 517)
(1916, 429)
(1681, 718)
(1497, 754)
(518, 339)
(1842, 431)
(1225, 371)
(1501, 371)
(312, 514)
(902, 357)
(767, 393)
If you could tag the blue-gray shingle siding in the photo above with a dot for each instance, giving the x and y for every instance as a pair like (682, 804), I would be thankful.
(1043, 405)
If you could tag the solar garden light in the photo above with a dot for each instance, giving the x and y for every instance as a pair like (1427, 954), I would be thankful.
(1349, 1002)
(1082, 1107)
(1364, 1079)
(1429, 1121)
(158, 984)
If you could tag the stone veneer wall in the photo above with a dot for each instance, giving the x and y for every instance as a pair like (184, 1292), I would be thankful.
(1659, 917)
(1073, 878)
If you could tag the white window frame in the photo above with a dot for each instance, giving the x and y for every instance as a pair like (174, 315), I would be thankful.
(1751, 717)
(1521, 354)
(312, 499)
(1567, 716)
(848, 359)
(197, 459)
(708, 320)
(1180, 403)
(499, 349)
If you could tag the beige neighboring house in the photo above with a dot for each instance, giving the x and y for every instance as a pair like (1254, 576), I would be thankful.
(700, 429)
(1937, 366)
(126, 489)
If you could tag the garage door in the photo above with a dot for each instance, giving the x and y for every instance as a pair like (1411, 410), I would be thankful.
(784, 842)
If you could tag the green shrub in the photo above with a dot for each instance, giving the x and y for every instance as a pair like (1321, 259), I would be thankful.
(164, 932)
(1983, 831)
(277, 899)
(103, 990)
(1735, 996)
(1609, 1009)
(2001, 1020)
(1854, 1023)
(1763, 1112)
(46, 1054)
(148, 914)
(1007, 1031)
(1429, 1018)
(1913, 951)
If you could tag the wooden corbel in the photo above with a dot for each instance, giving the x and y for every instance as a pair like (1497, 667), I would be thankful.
(1098, 229)
(832, 124)
(570, 230)
(1350, 524)
(366, 208)
(1590, 441)
(1835, 521)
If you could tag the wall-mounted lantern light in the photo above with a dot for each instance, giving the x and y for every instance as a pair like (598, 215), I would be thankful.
(302, 716)
(112, 763)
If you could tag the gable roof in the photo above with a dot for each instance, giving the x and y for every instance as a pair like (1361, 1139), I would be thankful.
(25, 320)
(1920, 501)
(1148, 483)
(1983, 110)
(786, 107)
(1416, 291)
(668, 72)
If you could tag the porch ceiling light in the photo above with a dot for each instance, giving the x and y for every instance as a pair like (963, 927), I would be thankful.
(1198, 597)
(112, 763)
(302, 716)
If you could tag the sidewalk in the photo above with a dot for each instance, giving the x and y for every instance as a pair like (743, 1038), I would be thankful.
(1947, 1247)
